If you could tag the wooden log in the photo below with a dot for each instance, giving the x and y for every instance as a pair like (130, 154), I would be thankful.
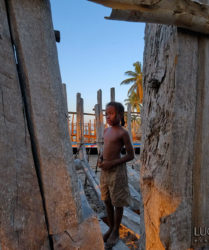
(22, 215)
(191, 14)
(131, 220)
(112, 94)
(82, 153)
(120, 245)
(135, 198)
(72, 112)
(133, 178)
(86, 209)
(93, 182)
(42, 90)
(77, 163)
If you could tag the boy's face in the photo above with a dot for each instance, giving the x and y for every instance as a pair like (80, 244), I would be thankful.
(113, 118)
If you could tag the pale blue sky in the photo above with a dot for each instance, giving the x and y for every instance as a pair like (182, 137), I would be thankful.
(94, 53)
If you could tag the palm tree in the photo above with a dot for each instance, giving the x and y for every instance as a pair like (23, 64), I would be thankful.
(135, 93)
(133, 99)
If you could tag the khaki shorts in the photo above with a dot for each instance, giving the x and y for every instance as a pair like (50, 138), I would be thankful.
(114, 186)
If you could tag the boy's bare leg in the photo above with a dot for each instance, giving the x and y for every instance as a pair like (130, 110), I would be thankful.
(112, 240)
(110, 217)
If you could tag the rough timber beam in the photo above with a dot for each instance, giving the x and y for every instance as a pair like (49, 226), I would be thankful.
(189, 14)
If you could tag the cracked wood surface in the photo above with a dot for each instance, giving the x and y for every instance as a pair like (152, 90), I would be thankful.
(22, 220)
(174, 158)
(39, 68)
(45, 106)
(192, 15)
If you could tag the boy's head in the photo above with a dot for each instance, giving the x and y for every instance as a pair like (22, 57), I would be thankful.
(117, 112)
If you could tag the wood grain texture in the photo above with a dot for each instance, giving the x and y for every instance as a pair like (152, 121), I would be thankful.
(38, 63)
(192, 15)
(22, 219)
(169, 114)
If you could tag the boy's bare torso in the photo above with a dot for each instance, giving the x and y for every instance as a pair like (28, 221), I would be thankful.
(113, 142)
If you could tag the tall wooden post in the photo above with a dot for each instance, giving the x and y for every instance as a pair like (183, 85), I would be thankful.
(99, 129)
(66, 107)
(79, 120)
(72, 129)
(89, 130)
(44, 107)
(112, 94)
(99, 121)
(129, 121)
(80, 129)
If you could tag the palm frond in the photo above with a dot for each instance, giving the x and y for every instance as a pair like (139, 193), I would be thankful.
(131, 73)
(127, 81)
(132, 89)
(137, 66)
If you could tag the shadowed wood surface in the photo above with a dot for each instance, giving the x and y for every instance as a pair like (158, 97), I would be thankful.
(192, 15)
(22, 219)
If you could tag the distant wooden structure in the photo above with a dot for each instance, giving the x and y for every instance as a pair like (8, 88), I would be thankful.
(91, 132)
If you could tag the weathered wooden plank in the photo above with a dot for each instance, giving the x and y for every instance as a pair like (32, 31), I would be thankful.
(192, 15)
(112, 94)
(101, 122)
(79, 119)
(86, 236)
(131, 220)
(135, 198)
(22, 219)
(200, 208)
(38, 65)
(167, 158)
(120, 245)
(87, 211)
(99, 129)
(133, 178)
(93, 182)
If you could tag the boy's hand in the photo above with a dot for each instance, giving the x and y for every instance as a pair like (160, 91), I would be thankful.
(105, 165)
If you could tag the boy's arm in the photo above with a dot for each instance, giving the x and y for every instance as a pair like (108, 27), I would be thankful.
(129, 150)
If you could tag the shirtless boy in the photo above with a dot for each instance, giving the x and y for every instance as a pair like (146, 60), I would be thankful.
(113, 180)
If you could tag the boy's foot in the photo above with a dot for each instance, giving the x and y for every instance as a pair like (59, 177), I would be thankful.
(107, 234)
(113, 239)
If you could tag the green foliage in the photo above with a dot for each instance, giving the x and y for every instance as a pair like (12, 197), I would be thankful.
(135, 92)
